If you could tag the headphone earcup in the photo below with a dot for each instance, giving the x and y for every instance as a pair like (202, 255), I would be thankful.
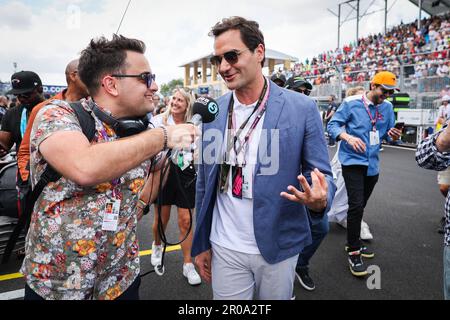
(129, 127)
(122, 127)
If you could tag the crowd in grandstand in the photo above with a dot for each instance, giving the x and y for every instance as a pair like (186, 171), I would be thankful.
(424, 51)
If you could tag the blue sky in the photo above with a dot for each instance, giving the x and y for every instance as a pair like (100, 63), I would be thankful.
(45, 35)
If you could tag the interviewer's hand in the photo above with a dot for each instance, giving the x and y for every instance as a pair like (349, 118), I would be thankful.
(203, 262)
(314, 198)
(181, 136)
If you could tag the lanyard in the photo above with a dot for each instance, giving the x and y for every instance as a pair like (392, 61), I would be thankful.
(234, 138)
(377, 114)
(23, 122)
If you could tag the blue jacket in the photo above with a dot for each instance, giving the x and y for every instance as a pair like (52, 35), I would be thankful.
(353, 115)
(281, 227)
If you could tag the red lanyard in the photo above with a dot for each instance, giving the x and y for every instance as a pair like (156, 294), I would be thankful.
(261, 105)
(377, 114)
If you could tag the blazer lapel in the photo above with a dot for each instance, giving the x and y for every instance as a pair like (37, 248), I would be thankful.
(273, 112)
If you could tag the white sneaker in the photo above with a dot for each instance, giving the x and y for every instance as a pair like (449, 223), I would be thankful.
(191, 274)
(156, 254)
(365, 231)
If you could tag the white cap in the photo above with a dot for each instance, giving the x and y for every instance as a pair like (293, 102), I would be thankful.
(446, 98)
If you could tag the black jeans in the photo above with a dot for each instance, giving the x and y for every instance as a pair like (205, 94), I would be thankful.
(132, 293)
(359, 188)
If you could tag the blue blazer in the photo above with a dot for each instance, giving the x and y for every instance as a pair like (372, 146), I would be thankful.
(282, 227)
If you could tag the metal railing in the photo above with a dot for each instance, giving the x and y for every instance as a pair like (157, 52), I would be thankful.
(423, 91)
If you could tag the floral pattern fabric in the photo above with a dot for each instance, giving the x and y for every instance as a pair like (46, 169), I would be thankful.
(68, 255)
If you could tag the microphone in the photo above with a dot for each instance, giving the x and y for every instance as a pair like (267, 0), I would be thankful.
(204, 110)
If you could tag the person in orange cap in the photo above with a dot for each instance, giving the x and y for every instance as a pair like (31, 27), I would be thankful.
(362, 122)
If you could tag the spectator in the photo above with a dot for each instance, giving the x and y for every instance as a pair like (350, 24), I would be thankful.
(442, 70)
(179, 190)
(367, 121)
(332, 108)
(433, 153)
(279, 79)
(27, 86)
(3, 107)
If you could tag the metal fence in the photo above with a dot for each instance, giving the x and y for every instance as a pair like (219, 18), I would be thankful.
(423, 91)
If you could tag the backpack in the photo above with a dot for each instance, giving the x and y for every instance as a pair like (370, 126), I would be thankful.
(87, 124)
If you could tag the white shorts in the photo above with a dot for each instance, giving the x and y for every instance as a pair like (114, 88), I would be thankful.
(443, 177)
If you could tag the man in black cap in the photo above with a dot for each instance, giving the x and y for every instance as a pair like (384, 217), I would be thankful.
(279, 79)
(27, 86)
(299, 84)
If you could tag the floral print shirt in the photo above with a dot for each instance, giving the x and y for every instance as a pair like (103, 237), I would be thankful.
(68, 255)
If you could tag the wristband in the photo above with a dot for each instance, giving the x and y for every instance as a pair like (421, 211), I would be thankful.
(141, 203)
(166, 137)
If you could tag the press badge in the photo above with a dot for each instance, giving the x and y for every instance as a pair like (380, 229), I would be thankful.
(237, 181)
(223, 177)
(111, 215)
(374, 138)
(247, 184)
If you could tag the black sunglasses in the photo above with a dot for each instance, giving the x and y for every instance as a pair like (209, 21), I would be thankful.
(231, 57)
(306, 92)
(147, 77)
(387, 92)
(24, 95)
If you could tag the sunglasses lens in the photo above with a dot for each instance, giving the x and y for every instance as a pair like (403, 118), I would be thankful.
(148, 78)
(215, 60)
(231, 57)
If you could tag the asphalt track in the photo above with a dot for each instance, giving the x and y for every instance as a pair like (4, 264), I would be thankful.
(403, 214)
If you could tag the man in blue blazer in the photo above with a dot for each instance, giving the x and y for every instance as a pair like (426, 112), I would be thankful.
(265, 141)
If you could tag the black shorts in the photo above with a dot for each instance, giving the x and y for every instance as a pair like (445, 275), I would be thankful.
(180, 187)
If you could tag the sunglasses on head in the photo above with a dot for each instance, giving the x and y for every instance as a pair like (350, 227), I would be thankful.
(146, 77)
(231, 57)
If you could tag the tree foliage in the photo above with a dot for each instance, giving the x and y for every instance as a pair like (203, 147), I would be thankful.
(166, 89)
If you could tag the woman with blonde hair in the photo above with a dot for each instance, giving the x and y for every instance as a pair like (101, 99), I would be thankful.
(179, 189)
(354, 91)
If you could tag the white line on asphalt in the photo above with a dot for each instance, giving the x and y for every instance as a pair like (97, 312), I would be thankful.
(12, 295)
(401, 148)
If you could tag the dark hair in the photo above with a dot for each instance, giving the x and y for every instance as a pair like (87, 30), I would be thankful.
(103, 56)
(250, 33)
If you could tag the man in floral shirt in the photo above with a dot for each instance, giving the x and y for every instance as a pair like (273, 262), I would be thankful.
(434, 153)
(76, 248)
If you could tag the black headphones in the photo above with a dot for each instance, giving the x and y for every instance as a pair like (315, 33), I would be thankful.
(123, 127)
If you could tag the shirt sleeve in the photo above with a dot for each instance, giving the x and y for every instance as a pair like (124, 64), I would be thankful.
(53, 118)
(429, 157)
(338, 120)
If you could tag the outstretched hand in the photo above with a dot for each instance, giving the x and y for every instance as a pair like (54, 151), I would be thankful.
(314, 197)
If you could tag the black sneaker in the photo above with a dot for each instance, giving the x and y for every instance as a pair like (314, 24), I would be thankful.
(357, 267)
(304, 278)
(365, 252)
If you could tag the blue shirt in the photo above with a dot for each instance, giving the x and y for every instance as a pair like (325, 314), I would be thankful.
(354, 116)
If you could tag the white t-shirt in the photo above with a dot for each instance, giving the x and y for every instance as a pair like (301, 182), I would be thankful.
(158, 121)
(232, 224)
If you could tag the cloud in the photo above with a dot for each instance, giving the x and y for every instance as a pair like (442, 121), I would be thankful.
(15, 15)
